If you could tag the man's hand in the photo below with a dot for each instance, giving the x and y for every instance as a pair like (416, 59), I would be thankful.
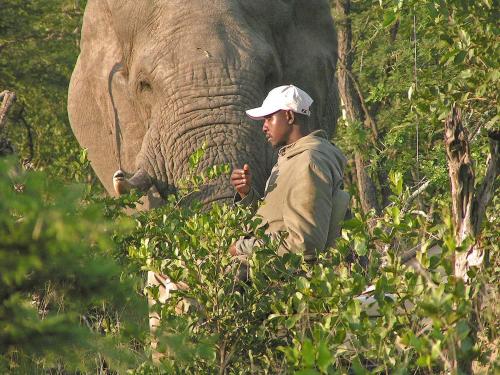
(241, 179)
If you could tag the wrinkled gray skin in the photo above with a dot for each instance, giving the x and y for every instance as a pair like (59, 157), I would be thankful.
(157, 79)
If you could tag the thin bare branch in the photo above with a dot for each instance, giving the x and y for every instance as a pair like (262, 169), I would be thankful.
(368, 117)
(414, 195)
(29, 135)
(8, 98)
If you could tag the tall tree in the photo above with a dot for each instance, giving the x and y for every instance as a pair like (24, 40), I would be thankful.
(353, 104)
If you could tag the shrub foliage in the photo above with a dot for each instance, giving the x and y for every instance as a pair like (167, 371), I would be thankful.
(73, 264)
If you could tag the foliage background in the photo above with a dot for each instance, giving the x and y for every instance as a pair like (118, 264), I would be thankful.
(39, 45)
(64, 247)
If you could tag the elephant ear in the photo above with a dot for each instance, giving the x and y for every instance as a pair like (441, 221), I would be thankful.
(103, 115)
(310, 59)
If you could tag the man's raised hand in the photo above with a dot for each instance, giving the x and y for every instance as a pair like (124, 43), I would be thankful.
(241, 179)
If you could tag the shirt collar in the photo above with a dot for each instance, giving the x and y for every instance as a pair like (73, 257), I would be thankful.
(286, 149)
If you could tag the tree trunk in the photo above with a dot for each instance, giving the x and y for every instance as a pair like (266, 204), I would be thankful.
(352, 104)
(462, 184)
(468, 207)
(366, 187)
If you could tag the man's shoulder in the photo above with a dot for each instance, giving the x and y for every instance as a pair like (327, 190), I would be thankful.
(323, 150)
(315, 148)
(313, 159)
(322, 157)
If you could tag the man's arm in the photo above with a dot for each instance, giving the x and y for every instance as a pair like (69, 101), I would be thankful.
(245, 195)
(306, 213)
(251, 200)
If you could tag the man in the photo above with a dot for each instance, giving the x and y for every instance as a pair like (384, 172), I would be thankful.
(303, 199)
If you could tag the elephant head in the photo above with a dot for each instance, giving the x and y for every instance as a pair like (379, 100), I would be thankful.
(157, 79)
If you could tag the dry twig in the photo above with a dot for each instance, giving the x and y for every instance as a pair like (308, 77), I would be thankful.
(8, 98)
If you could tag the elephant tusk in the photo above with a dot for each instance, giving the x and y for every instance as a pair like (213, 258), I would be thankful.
(120, 184)
(140, 181)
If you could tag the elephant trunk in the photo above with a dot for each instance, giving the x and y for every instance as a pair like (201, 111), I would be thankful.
(228, 138)
(234, 143)
(205, 108)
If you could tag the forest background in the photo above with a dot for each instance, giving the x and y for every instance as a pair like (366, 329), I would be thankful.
(73, 265)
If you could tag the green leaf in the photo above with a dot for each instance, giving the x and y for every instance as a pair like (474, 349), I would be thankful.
(308, 353)
(436, 349)
(465, 74)
(488, 3)
(358, 368)
(307, 371)
(396, 178)
(340, 336)
(360, 246)
(460, 57)
(389, 18)
(196, 157)
(302, 284)
(292, 320)
(424, 360)
(463, 329)
(446, 58)
(325, 358)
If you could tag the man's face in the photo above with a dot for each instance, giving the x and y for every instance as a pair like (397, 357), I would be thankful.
(277, 128)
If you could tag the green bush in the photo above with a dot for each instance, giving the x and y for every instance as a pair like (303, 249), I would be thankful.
(57, 270)
(72, 263)
(292, 316)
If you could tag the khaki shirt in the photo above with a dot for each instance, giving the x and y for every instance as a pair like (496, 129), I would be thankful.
(303, 197)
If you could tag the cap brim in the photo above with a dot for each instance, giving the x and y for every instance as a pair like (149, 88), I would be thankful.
(260, 112)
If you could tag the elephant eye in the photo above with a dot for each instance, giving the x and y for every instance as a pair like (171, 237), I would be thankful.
(144, 86)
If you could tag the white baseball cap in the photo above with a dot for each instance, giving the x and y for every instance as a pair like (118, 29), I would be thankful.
(287, 97)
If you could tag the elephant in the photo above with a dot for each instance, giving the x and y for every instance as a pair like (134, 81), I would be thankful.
(155, 80)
